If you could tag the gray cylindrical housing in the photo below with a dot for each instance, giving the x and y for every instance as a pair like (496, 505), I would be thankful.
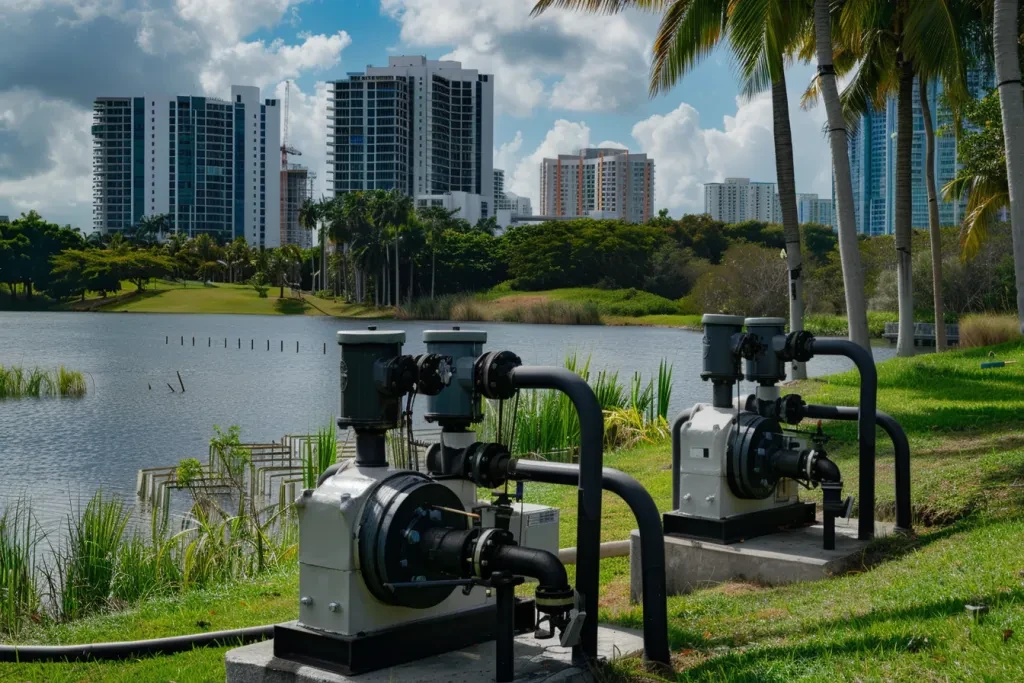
(767, 368)
(458, 403)
(720, 363)
(363, 406)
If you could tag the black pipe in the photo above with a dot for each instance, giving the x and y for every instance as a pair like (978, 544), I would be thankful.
(826, 470)
(132, 648)
(901, 448)
(327, 474)
(677, 452)
(652, 542)
(533, 562)
(588, 478)
(504, 637)
(370, 450)
(866, 422)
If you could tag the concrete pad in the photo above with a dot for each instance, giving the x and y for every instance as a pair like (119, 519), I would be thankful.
(536, 660)
(779, 558)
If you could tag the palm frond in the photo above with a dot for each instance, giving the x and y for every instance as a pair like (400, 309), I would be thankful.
(599, 6)
(689, 31)
(986, 198)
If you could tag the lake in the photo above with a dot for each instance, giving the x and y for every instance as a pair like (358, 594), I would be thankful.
(57, 453)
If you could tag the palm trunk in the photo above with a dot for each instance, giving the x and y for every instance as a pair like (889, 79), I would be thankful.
(1011, 102)
(904, 215)
(933, 217)
(411, 279)
(790, 220)
(344, 270)
(849, 254)
(398, 268)
(433, 271)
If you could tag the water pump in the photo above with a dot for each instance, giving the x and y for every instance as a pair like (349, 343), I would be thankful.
(394, 564)
(739, 471)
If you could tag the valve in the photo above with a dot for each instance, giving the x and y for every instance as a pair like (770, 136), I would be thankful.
(745, 345)
(794, 346)
(433, 373)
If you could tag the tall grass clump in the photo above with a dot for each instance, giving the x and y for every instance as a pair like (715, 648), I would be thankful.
(318, 455)
(545, 423)
(460, 307)
(17, 382)
(19, 592)
(988, 329)
(553, 313)
(88, 563)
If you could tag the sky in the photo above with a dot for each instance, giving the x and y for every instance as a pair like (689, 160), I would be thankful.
(562, 81)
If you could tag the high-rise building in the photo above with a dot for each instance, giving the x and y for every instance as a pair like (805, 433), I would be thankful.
(598, 182)
(872, 145)
(499, 184)
(811, 209)
(739, 199)
(296, 190)
(509, 201)
(202, 162)
(422, 127)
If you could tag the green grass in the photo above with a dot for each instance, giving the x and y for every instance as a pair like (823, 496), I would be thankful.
(610, 302)
(170, 297)
(902, 620)
(19, 382)
(836, 326)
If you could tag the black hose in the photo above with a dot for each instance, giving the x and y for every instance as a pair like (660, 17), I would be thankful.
(901, 449)
(133, 648)
(588, 479)
(327, 474)
(866, 422)
(677, 454)
(533, 562)
(652, 541)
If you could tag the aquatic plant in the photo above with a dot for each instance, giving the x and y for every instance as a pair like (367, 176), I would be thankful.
(17, 382)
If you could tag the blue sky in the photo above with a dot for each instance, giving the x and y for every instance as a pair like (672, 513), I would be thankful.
(562, 81)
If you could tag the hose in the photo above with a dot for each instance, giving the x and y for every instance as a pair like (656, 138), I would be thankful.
(131, 649)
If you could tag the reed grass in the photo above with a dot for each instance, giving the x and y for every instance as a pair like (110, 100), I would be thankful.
(545, 424)
(17, 382)
(988, 330)
(318, 455)
(88, 562)
(19, 592)
(472, 308)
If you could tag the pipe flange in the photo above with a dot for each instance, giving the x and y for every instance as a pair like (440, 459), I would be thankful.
(493, 374)
(480, 548)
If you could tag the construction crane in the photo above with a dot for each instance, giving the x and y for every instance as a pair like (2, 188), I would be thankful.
(285, 149)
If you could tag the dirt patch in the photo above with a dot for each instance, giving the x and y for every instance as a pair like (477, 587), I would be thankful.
(734, 588)
(615, 596)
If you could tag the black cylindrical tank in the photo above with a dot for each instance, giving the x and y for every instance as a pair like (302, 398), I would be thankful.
(363, 405)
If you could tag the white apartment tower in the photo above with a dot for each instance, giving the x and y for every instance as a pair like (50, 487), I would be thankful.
(598, 182)
(738, 199)
(509, 201)
(423, 127)
(211, 166)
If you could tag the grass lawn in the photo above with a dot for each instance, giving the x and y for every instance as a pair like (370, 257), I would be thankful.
(170, 297)
(901, 618)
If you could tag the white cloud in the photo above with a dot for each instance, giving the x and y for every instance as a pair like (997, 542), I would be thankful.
(58, 184)
(256, 63)
(687, 155)
(566, 60)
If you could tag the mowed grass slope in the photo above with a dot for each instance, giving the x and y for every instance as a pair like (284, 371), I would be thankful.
(902, 618)
(170, 297)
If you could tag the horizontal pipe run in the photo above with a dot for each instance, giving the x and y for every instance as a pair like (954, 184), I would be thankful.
(608, 549)
(901, 449)
(652, 541)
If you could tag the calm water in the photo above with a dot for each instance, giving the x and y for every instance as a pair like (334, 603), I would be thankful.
(59, 452)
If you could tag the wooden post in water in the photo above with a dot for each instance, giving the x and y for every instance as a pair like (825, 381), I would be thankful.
(282, 346)
(268, 345)
(182, 340)
(209, 342)
(325, 348)
(296, 346)
(167, 339)
(193, 341)
(252, 344)
(180, 382)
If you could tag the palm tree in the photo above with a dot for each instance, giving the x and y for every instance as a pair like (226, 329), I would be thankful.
(391, 211)
(310, 214)
(896, 42)
(849, 252)
(278, 264)
(353, 225)
(935, 236)
(761, 34)
(435, 220)
(1011, 101)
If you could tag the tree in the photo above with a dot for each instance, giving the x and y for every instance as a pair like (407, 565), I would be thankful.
(933, 216)
(1011, 101)
(853, 279)
(391, 211)
(279, 262)
(310, 215)
(435, 220)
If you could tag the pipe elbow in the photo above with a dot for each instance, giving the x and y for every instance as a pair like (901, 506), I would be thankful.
(826, 470)
(533, 562)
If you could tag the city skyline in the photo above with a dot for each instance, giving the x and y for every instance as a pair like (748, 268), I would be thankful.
(566, 87)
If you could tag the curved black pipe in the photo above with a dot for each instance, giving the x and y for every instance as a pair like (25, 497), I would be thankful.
(588, 479)
(539, 564)
(866, 422)
(652, 541)
(826, 470)
(677, 455)
(327, 474)
(901, 448)
(133, 648)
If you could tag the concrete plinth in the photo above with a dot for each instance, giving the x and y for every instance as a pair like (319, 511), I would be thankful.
(536, 660)
(782, 557)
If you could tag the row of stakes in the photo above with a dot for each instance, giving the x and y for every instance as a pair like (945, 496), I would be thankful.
(252, 343)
